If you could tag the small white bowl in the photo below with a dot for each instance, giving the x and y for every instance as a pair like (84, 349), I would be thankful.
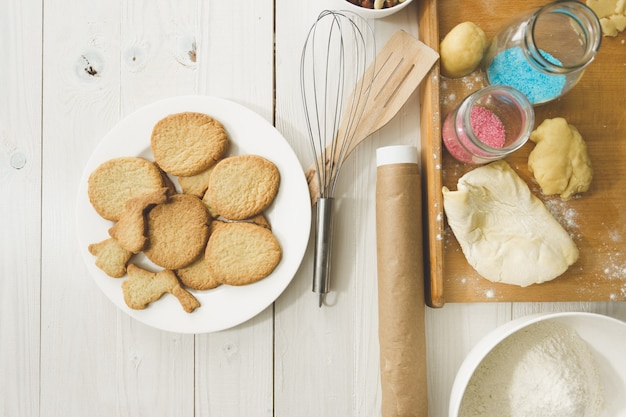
(605, 336)
(371, 13)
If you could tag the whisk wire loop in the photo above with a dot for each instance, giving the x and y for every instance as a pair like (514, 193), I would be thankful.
(335, 88)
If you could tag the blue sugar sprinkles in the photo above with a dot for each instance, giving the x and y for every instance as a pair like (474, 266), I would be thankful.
(511, 67)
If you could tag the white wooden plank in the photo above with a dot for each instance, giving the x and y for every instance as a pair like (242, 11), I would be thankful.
(234, 368)
(327, 359)
(158, 50)
(81, 102)
(157, 43)
(452, 331)
(315, 354)
(116, 366)
(613, 309)
(153, 372)
(20, 221)
(236, 53)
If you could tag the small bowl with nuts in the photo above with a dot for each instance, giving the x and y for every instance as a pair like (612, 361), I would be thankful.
(373, 9)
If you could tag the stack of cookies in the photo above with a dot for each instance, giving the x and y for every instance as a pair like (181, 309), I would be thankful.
(212, 232)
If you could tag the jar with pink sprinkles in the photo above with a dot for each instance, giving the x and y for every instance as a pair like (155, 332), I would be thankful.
(488, 125)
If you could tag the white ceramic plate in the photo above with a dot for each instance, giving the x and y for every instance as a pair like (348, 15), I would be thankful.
(289, 215)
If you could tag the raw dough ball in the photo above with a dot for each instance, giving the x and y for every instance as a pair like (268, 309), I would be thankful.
(506, 233)
(462, 50)
(560, 162)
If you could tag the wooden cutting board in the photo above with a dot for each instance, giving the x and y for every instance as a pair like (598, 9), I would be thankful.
(596, 219)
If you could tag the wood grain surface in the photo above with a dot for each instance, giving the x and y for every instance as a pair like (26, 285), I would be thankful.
(596, 219)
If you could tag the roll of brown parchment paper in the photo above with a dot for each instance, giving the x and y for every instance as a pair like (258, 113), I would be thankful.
(401, 328)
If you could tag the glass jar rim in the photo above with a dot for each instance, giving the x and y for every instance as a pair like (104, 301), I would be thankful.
(586, 19)
(513, 95)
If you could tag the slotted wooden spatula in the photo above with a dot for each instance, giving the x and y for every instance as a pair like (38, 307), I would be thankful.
(399, 68)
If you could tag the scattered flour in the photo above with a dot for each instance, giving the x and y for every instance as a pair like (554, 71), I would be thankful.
(453, 90)
(613, 263)
(545, 370)
(564, 214)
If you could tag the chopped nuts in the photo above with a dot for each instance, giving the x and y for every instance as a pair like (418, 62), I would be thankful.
(376, 4)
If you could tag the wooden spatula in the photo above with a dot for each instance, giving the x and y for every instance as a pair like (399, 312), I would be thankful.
(399, 68)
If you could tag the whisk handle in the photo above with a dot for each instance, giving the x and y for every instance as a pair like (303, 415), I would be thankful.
(323, 243)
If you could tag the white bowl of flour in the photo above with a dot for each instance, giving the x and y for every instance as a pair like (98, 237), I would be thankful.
(545, 365)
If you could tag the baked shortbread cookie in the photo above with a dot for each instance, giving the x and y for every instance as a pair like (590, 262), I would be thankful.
(240, 187)
(241, 253)
(197, 275)
(130, 229)
(110, 257)
(262, 221)
(143, 287)
(177, 231)
(209, 206)
(117, 180)
(196, 184)
(168, 182)
(188, 143)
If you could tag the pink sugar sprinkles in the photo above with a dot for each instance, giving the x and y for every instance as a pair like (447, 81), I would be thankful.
(476, 139)
(487, 127)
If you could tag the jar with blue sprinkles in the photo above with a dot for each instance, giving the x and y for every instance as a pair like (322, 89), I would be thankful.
(544, 52)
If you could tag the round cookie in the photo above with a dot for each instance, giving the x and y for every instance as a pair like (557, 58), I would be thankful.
(177, 231)
(117, 180)
(242, 186)
(242, 253)
(185, 144)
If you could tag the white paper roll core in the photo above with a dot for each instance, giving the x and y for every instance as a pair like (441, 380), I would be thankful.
(397, 154)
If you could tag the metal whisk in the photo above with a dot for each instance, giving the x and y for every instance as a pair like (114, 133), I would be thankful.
(335, 57)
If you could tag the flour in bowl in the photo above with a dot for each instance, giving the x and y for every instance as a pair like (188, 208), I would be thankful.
(544, 370)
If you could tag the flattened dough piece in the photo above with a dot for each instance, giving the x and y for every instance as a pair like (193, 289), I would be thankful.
(506, 233)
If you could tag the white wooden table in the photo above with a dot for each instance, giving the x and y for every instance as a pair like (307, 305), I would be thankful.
(70, 70)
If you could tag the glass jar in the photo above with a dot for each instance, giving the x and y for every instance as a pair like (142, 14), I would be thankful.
(488, 125)
(543, 52)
